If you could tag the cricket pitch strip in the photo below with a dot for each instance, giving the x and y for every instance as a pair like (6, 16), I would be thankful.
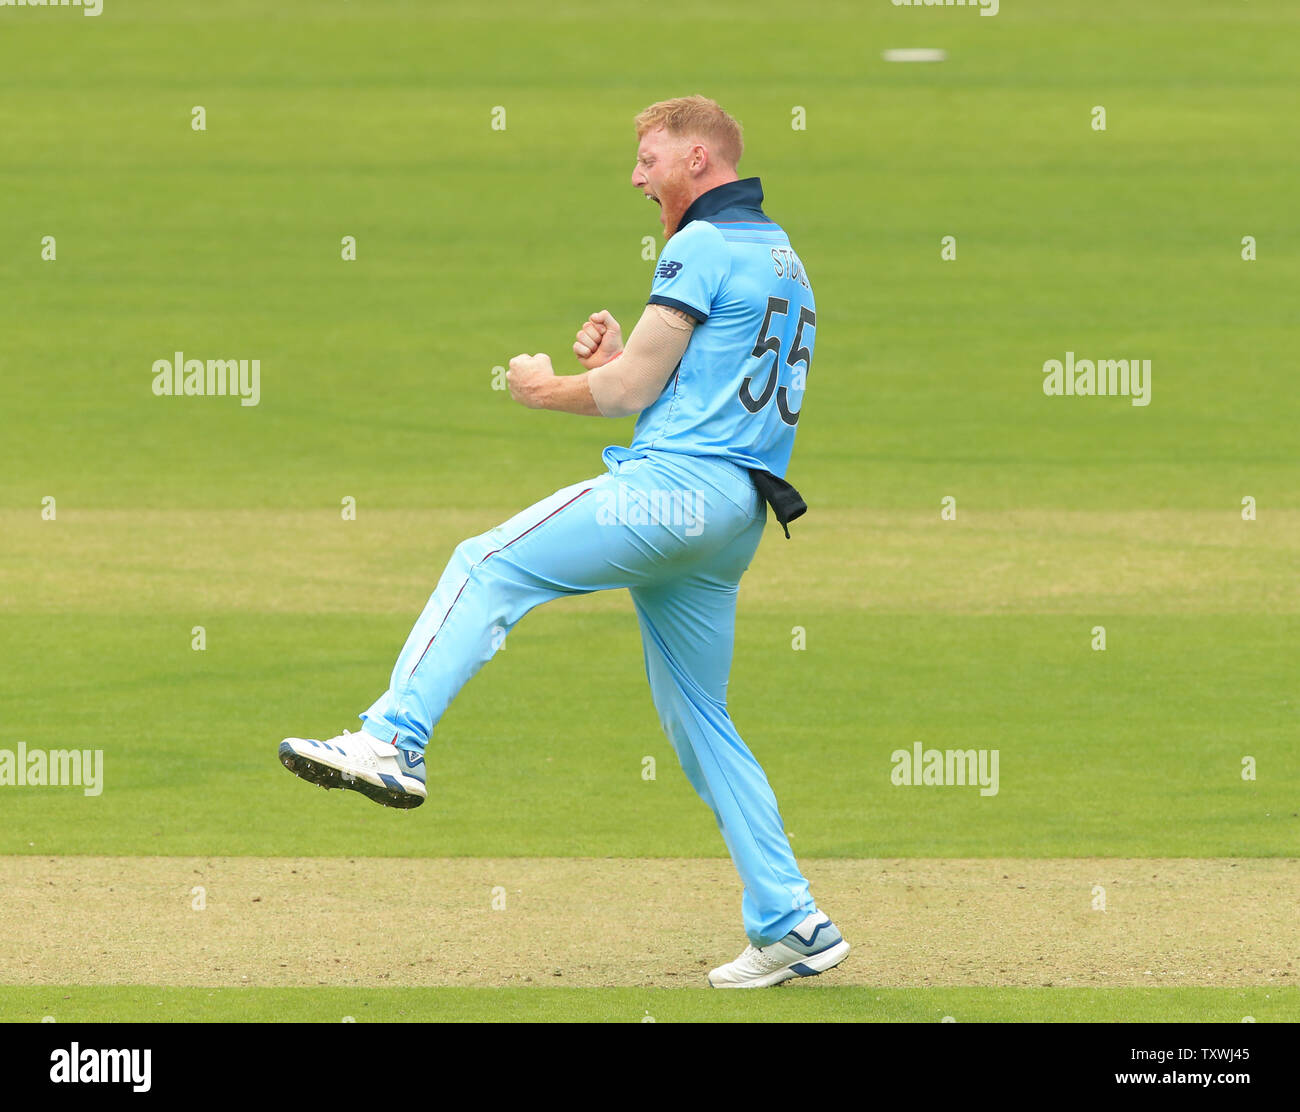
(599, 922)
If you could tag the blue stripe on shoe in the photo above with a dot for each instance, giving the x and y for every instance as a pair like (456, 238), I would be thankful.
(411, 764)
(813, 938)
(391, 782)
(804, 970)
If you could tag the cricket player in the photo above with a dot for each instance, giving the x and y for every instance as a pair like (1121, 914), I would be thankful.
(715, 371)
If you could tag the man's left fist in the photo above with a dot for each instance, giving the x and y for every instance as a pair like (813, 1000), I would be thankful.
(529, 377)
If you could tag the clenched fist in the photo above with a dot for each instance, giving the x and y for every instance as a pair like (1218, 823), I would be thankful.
(598, 340)
(529, 377)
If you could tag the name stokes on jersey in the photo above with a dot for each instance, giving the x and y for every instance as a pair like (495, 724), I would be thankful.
(787, 265)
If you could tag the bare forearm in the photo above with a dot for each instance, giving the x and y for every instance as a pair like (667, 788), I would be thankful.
(569, 394)
(618, 382)
(533, 382)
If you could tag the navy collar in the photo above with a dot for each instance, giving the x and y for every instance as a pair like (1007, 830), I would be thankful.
(745, 195)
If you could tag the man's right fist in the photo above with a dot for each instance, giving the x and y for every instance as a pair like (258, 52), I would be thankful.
(598, 340)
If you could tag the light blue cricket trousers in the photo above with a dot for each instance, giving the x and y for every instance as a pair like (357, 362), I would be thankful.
(677, 531)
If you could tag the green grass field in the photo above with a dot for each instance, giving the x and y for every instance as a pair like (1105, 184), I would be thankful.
(551, 1005)
(329, 119)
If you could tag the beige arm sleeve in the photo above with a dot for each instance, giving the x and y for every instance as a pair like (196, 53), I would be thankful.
(627, 384)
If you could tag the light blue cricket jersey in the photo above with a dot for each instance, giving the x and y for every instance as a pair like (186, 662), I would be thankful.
(739, 388)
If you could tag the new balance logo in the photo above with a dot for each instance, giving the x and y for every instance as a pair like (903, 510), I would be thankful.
(668, 270)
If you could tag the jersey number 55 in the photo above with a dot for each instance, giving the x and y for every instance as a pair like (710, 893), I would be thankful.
(779, 306)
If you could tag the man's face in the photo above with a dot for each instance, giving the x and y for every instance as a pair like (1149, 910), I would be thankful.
(661, 173)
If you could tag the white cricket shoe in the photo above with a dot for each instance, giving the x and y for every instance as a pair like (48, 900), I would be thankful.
(377, 769)
(813, 947)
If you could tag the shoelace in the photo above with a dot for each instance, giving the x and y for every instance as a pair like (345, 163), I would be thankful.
(360, 753)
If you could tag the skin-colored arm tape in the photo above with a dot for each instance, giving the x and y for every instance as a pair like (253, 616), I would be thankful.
(631, 382)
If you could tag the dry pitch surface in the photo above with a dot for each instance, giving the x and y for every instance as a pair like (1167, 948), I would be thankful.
(619, 922)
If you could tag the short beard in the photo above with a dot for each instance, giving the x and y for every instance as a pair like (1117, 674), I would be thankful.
(677, 192)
